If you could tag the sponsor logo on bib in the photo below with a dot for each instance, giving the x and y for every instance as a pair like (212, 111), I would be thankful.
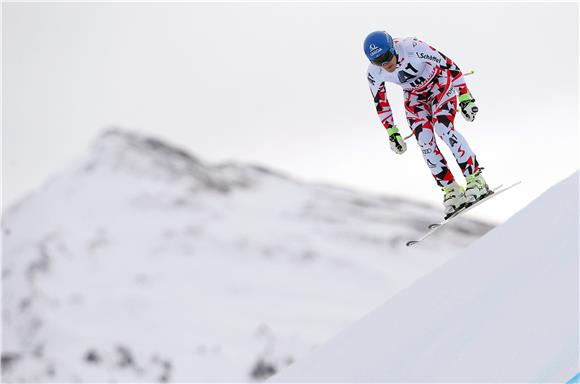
(421, 55)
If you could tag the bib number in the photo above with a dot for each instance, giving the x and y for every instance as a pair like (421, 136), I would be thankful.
(409, 73)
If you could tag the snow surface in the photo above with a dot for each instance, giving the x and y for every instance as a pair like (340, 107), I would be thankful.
(504, 310)
(142, 263)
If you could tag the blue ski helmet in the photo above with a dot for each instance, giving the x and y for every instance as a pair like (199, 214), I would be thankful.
(379, 47)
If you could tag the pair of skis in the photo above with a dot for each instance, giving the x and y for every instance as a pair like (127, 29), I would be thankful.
(437, 226)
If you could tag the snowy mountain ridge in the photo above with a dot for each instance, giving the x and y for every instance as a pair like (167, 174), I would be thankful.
(142, 263)
(149, 156)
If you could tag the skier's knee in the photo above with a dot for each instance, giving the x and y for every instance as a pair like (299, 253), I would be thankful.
(426, 140)
(443, 130)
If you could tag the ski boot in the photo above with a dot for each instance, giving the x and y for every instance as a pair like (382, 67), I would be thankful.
(454, 199)
(477, 188)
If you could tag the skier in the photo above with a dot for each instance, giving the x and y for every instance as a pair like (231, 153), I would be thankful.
(429, 80)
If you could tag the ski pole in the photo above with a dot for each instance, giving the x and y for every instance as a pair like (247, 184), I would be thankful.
(471, 72)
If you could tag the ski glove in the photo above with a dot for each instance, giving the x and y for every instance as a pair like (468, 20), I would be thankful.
(397, 142)
(468, 107)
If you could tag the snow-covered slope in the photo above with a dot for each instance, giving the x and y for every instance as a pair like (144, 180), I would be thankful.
(142, 263)
(503, 310)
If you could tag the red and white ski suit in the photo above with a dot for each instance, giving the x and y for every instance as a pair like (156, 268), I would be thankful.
(429, 80)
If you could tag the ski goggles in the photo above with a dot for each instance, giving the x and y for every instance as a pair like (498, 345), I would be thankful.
(385, 58)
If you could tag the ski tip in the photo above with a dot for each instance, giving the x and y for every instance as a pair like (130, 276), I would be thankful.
(433, 226)
(412, 242)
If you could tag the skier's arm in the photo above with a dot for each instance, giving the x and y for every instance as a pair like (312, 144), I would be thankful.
(383, 107)
(386, 115)
(466, 100)
(459, 83)
(427, 52)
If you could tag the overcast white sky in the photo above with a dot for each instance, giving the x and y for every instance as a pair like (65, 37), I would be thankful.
(283, 85)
